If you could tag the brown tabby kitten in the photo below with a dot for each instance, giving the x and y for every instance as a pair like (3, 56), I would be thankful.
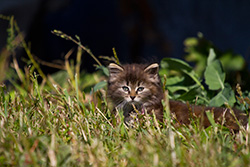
(137, 86)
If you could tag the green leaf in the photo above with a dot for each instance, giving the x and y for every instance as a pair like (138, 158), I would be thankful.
(211, 56)
(174, 80)
(173, 89)
(104, 70)
(232, 62)
(181, 66)
(174, 84)
(99, 86)
(215, 76)
(175, 64)
(191, 42)
(190, 95)
(225, 95)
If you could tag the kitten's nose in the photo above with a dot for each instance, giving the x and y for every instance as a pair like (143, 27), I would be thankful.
(132, 97)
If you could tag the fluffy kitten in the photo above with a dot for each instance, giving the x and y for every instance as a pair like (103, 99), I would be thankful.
(138, 87)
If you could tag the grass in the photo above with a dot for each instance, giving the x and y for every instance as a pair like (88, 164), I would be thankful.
(45, 128)
(62, 121)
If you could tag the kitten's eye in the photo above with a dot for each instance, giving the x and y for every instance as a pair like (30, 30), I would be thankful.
(140, 89)
(125, 88)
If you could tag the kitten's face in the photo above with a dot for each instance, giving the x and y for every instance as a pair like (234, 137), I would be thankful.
(133, 84)
(133, 92)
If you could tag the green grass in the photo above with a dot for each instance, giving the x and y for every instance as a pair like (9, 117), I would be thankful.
(45, 128)
(65, 121)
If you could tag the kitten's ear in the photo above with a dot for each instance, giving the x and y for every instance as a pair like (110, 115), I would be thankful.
(114, 70)
(152, 70)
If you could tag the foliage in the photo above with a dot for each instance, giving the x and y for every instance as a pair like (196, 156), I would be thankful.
(211, 90)
(64, 119)
(198, 49)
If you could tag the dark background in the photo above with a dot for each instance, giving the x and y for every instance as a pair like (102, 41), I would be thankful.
(140, 30)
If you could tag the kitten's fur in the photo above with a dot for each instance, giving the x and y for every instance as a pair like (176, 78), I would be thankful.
(137, 86)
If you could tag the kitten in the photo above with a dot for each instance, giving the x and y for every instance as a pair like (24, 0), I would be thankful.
(137, 87)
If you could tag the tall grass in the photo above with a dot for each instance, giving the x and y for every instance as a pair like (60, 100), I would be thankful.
(45, 128)
(62, 121)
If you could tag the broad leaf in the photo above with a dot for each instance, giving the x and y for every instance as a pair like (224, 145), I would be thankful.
(232, 62)
(176, 64)
(225, 95)
(174, 80)
(99, 86)
(190, 94)
(174, 84)
(176, 88)
(181, 66)
(211, 56)
(103, 69)
(215, 76)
